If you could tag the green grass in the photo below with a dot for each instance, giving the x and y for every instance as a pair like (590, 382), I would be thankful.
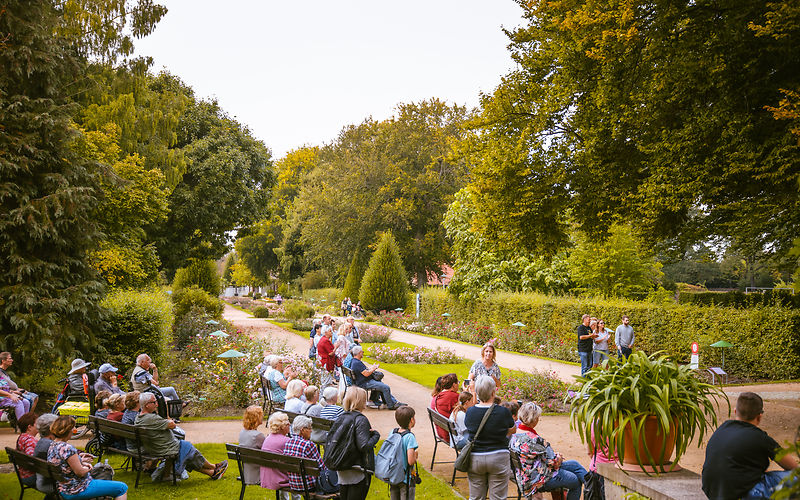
(240, 308)
(201, 487)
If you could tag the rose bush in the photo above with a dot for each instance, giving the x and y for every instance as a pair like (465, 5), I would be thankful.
(416, 355)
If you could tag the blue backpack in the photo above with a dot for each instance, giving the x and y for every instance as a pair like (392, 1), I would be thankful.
(390, 466)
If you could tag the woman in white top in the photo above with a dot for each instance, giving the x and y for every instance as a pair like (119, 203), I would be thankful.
(465, 400)
(600, 351)
(294, 393)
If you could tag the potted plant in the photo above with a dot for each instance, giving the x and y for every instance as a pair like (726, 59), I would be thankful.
(644, 409)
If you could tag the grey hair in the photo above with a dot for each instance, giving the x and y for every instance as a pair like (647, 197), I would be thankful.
(529, 413)
(44, 422)
(356, 350)
(145, 398)
(140, 358)
(329, 394)
(300, 422)
(484, 388)
(275, 360)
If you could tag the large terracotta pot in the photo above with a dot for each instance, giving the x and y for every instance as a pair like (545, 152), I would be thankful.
(653, 436)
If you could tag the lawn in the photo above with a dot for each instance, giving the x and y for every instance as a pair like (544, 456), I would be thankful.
(201, 487)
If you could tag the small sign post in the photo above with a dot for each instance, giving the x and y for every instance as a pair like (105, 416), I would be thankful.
(694, 364)
(419, 304)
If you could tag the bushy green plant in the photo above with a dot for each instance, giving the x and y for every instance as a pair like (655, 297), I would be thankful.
(323, 296)
(257, 295)
(303, 325)
(773, 353)
(185, 299)
(135, 322)
(392, 319)
(261, 312)
(202, 273)
(384, 286)
(622, 394)
(191, 324)
(313, 280)
(352, 284)
(418, 354)
(544, 388)
(296, 309)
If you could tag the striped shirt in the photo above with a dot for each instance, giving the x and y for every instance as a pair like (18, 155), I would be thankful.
(331, 412)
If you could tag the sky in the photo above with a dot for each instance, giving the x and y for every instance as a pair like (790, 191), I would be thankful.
(296, 73)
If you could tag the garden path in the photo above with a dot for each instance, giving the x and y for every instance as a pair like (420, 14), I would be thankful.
(506, 359)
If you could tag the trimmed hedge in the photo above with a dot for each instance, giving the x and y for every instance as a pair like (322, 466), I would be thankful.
(296, 310)
(136, 322)
(741, 299)
(765, 338)
(261, 312)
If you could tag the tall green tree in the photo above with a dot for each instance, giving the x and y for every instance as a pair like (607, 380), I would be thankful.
(49, 293)
(653, 113)
(358, 266)
(385, 283)
(256, 247)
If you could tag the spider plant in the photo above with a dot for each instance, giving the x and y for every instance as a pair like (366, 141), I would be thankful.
(622, 395)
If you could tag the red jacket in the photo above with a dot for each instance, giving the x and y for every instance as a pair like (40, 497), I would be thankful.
(325, 353)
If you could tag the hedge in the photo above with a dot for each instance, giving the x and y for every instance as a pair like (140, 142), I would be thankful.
(184, 299)
(766, 339)
(741, 299)
(324, 296)
(136, 322)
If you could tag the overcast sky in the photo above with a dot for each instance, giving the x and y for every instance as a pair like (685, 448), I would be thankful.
(297, 72)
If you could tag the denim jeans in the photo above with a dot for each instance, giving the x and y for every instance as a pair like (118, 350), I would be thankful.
(384, 389)
(765, 487)
(570, 477)
(586, 361)
(624, 352)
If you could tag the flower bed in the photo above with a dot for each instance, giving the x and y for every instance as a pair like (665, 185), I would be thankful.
(544, 388)
(371, 334)
(415, 355)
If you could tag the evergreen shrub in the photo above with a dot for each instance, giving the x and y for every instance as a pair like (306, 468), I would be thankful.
(358, 266)
(384, 286)
(261, 312)
(741, 299)
(296, 310)
(765, 339)
(202, 273)
(135, 322)
(185, 299)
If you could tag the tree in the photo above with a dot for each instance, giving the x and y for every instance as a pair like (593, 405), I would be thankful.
(227, 273)
(385, 284)
(202, 273)
(290, 171)
(256, 247)
(612, 116)
(617, 267)
(355, 275)
(49, 294)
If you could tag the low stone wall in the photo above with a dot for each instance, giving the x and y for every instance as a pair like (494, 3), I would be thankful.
(682, 484)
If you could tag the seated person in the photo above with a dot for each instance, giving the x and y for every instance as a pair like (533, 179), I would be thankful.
(739, 452)
(26, 443)
(107, 380)
(277, 378)
(78, 381)
(513, 407)
(311, 407)
(159, 440)
(251, 437)
(301, 446)
(277, 437)
(141, 378)
(101, 404)
(331, 410)
(9, 398)
(542, 468)
(131, 408)
(5, 363)
(294, 393)
(446, 398)
(43, 423)
(116, 407)
(466, 400)
(363, 379)
(78, 482)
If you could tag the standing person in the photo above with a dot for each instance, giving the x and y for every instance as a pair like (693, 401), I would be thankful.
(490, 466)
(5, 363)
(356, 334)
(585, 343)
(404, 416)
(600, 343)
(354, 481)
(327, 358)
(316, 328)
(739, 452)
(487, 365)
(624, 338)
(349, 306)
(251, 437)
(344, 307)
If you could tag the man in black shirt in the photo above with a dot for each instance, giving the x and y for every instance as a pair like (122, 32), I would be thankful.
(738, 454)
(363, 379)
(585, 344)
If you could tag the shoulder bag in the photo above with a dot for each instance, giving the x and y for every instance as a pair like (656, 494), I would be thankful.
(464, 458)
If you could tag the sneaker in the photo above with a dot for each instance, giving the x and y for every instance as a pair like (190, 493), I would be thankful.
(219, 470)
(374, 406)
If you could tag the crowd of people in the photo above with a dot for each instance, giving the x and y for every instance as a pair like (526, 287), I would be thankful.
(593, 338)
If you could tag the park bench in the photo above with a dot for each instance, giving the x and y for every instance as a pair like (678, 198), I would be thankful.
(350, 379)
(441, 422)
(269, 404)
(516, 464)
(303, 466)
(36, 465)
(126, 432)
(320, 424)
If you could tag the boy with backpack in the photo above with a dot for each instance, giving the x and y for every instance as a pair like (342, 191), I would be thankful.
(397, 458)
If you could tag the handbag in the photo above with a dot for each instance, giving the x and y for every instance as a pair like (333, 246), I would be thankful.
(377, 376)
(464, 458)
(593, 487)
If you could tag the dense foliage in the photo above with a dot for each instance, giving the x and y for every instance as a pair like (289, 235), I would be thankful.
(188, 298)
(352, 284)
(200, 273)
(385, 285)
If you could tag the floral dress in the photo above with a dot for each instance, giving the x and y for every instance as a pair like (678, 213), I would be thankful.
(58, 454)
(478, 368)
(536, 457)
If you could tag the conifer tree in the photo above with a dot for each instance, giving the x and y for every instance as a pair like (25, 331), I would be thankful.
(385, 285)
(49, 293)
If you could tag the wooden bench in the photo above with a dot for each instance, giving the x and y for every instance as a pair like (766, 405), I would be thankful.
(516, 464)
(439, 421)
(269, 404)
(127, 432)
(36, 465)
(347, 373)
(317, 424)
(303, 466)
